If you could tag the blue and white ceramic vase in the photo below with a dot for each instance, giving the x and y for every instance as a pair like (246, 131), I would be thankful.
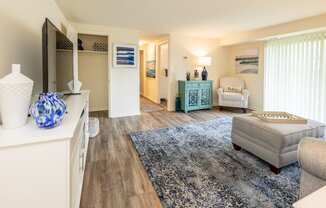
(49, 110)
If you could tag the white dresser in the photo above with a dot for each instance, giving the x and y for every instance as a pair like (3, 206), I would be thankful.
(44, 168)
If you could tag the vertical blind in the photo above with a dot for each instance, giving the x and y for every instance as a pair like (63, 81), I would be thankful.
(295, 75)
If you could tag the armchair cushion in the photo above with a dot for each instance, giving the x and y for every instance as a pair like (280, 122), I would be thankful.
(234, 96)
(237, 89)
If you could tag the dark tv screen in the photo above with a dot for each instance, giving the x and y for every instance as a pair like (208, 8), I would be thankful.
(57, 59)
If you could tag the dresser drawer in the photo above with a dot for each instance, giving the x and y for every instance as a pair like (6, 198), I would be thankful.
(192, 85)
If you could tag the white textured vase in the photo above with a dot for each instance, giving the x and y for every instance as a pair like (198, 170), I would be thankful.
(15, 98)
(74, 86)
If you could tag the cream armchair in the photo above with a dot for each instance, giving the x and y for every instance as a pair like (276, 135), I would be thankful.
(232, 93)
(312, 160)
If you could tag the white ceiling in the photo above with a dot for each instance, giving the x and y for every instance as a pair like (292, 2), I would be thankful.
(203, 18)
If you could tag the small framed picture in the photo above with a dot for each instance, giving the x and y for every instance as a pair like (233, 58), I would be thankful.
(124, 55)
(150, 69)
(247, 62)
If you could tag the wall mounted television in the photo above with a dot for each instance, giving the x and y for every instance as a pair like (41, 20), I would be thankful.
(57, 59)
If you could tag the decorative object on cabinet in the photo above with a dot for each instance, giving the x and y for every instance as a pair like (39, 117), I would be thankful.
(195, 94)
(196, 74)
(188, 67)
(15, 98)
(247, 62)
(204, 61)
(204, 74)
(124, 55)
(188, 76)
(48, 110)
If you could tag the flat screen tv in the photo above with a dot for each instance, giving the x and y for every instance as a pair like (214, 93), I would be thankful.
(57, 59)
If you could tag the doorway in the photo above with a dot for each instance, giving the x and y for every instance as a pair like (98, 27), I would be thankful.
(93, 69)
(153, 72)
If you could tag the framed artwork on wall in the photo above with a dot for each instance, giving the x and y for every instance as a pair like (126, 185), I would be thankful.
(247, 62)
(124, 55)
(150, 69)
(151, 61)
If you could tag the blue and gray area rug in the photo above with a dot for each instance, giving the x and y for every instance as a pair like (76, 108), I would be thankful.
(195, 166)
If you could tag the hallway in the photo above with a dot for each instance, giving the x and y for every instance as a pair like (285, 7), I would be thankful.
(147, 106)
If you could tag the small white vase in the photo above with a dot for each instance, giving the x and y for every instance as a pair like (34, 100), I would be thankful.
(15, 98)
(74, 86)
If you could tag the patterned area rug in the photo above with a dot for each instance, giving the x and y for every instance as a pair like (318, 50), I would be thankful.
(195, 166)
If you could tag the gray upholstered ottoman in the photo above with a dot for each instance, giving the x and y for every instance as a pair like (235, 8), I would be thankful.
(275, 143)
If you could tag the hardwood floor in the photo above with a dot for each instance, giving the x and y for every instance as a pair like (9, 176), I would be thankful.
(114, 176)
(148, 106)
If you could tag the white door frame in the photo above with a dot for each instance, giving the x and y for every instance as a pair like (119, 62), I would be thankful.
(159, 64)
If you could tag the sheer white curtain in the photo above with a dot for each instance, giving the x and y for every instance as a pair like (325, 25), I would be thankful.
(295, 75)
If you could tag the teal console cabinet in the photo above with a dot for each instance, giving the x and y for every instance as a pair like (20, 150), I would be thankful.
(195, 94)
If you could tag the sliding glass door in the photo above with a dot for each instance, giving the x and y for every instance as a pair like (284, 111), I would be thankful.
(295, 75)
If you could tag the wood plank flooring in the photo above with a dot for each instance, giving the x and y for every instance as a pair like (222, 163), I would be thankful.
(149, 106)
(114, 175)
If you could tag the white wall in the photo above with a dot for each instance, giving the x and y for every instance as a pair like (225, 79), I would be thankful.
(181, 46)
(309, 24)
(93, 73)
(21, 35)
(254, 82)
(123, 82)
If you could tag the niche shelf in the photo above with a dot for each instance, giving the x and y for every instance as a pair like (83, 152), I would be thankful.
(92, 51)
